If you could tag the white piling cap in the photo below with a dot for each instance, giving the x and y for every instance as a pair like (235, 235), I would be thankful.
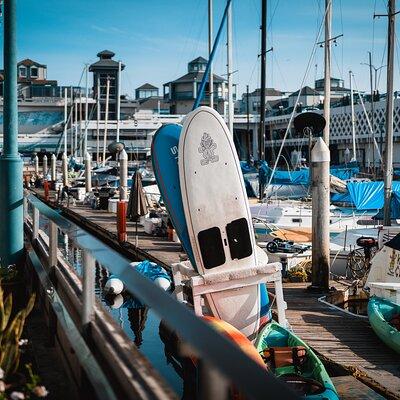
(36, 157)
(53, 157)
(123, 155)
(87, 156)
(64, 156)
(45, 157)
(320, 151)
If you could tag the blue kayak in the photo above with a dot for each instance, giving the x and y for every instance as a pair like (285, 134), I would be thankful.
(381, 314)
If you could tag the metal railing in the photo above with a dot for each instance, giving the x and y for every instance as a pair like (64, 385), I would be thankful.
(221, 361)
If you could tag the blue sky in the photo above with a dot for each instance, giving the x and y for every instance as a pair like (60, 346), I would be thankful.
(156, 38)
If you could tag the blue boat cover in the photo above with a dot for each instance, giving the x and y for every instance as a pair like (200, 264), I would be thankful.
(152, 270)
(300, 176)
(369, 195)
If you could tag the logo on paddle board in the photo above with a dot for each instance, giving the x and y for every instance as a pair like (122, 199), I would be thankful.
(207, 148)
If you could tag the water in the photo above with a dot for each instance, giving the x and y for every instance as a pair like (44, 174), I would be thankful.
(139, 322)
(355, 306)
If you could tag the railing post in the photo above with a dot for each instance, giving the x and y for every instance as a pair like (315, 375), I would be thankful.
(53, 244)
(88, 295)
(25, 208)
(35, 223)
(212, 384)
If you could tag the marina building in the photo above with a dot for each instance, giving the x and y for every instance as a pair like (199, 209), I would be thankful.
(182, 92)
(106, 70)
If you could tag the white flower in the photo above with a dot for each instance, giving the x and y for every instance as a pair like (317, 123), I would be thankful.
(2, 387)
(40, 391)
(23, 342)
(1, 374)
(17, 396)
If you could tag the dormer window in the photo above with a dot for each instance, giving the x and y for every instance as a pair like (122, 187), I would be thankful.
(34, 72)
(22, 72)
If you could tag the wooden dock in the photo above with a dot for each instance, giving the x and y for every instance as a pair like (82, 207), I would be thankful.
(342, 341)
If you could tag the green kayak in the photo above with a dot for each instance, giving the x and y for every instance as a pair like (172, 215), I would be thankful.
(291, 360)
(382, 315)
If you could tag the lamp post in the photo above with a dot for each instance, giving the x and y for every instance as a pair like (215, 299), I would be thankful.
(11, 193)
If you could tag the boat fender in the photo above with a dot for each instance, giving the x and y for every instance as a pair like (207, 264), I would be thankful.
(114, 285)
(116, 302)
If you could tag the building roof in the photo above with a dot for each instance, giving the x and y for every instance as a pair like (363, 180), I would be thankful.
(191, 76)
(27, 62)
(199, 60)
(105, 62)
(105, 54)
(147, 86)
(268, 92)
(305, 91)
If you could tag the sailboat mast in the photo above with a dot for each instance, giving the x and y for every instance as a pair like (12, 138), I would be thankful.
(388, 170)
(98, 123)
(353, 127)
(210, 46)
(106, 120)
(327, 69)
(118, 99)
(261, 137)
(261, 141)
(229, 68)
(86, 110)
(65, 120)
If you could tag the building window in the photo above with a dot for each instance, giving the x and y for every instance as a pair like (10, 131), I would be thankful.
(34, 72)
(22, 72)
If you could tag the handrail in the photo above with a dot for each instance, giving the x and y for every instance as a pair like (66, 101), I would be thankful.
(254, 381)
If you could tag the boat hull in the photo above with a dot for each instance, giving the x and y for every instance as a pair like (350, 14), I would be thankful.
(380, 312)
(273, 335)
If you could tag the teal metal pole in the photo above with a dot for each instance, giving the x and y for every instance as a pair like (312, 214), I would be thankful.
(11, 188)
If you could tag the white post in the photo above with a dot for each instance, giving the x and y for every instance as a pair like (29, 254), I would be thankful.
(123, 175)
(86, 110)
(35, 223)
(45, 166)
(353, 122)
(106, 121)
(118, 99)
(88, 172)
(65, 169)
(80, 124)
(65, 120)
(53, 168)
(320, 159)
(36, 161)
(229, 69)
(210, 45)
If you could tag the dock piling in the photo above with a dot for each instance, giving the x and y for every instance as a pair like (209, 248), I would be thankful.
(320, 159)
(88, 173)
(45, 167)
(65, 169)
(123, 175)
(88, 294)
(36, 162)
(53, 168)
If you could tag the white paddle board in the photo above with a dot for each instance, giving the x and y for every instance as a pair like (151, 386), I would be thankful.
(217, 214)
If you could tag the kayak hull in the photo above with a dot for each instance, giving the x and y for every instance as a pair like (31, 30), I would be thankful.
(380, 312)
(273, 335)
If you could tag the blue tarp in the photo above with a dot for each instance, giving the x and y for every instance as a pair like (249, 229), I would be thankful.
(369, 195)
(394, 207)
(341, 198)
(301, 175)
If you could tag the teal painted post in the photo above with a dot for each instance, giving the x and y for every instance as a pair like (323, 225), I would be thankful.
(11, 189)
